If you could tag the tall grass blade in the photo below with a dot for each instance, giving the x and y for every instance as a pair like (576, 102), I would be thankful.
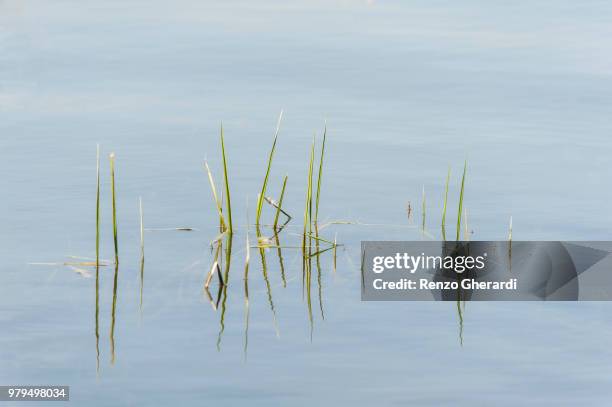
(218, 202)
(112, 168)
(461, 201)
(319, 178)
(310, 174)
(98, 205)
(308, 208)
(141, 229)
(226, 179)
(262, 194)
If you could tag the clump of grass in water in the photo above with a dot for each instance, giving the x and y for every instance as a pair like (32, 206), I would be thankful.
(262, 194)
(112, 169)
(461, 201)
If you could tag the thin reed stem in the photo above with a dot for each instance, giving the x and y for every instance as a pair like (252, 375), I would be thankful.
(218, 202)
(320, 177)
(461, 201)
(98, 205)
(227, 191)
(280, 202)
(308, 208)
(141, 229)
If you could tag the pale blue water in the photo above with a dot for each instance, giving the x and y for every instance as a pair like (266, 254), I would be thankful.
(521, 90)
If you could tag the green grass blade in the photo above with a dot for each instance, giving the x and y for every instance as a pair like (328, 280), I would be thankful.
(310, 174)
(141, 229)
(227, 191)
(262, 194)
(320, 175)
(461, 201)
(112, 168)
(98, 205)
(215, 196)
(308, 208)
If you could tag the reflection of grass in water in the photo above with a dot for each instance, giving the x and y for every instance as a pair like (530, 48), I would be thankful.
(280, 256)
(228, 259)
(97, 329)
(113, 312)
(319, 284)
(460, 314)
(264, 270)
(142, 258)
(246, 291)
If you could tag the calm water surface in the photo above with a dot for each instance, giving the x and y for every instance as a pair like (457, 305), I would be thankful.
(521, 90)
